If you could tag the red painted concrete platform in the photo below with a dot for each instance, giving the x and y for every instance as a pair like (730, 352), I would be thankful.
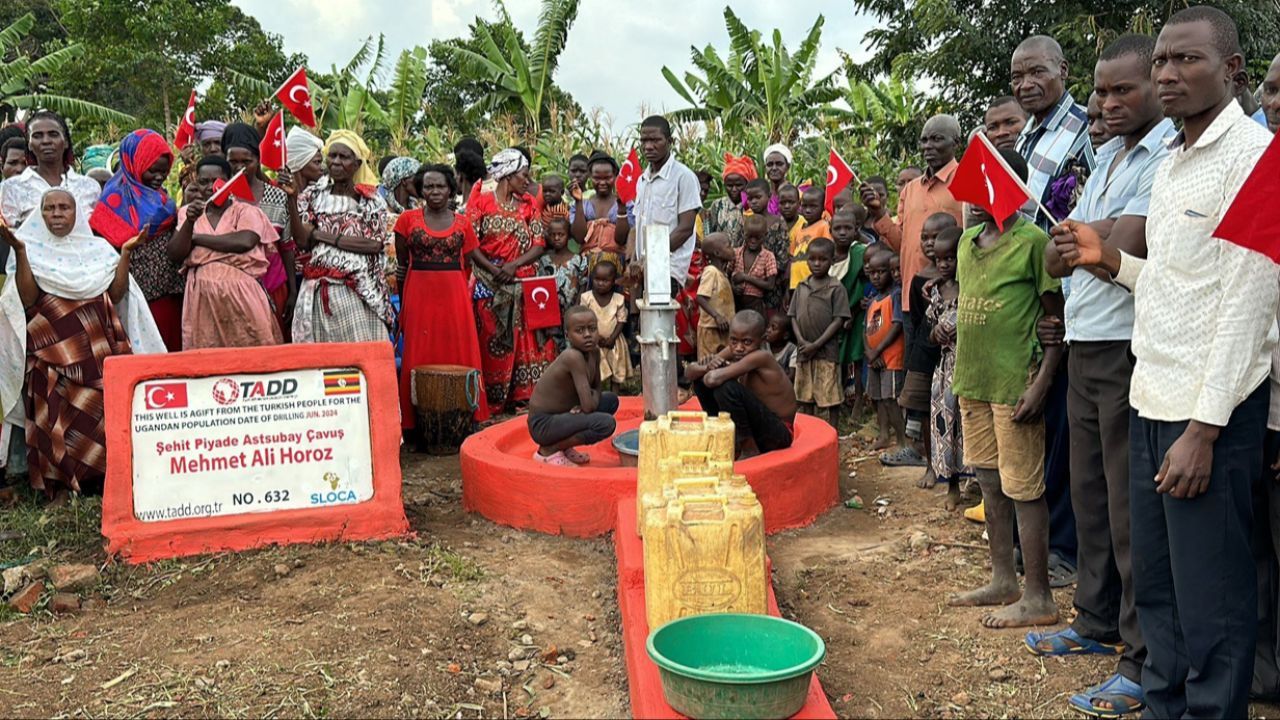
(645, 684)
(502, 481)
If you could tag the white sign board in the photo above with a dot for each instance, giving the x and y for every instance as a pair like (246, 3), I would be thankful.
(657, 264)
(204, 447)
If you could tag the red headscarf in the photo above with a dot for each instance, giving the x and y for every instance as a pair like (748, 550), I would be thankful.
(126, 204)
(744, 166)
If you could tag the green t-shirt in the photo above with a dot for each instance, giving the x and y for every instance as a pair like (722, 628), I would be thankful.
(1000, 289)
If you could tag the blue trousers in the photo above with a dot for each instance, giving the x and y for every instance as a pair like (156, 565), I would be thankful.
(1194, 581)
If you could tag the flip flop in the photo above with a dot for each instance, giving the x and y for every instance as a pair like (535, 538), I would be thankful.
(1061, 574)
(577, 457)
(1068, 642)
(1120, 691)
(902, 457)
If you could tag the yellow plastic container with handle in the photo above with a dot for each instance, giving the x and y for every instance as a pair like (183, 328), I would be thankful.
(672, 434)
(705, 554)
(716, 485)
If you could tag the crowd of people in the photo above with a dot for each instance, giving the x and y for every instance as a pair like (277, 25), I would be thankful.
(1096, 363)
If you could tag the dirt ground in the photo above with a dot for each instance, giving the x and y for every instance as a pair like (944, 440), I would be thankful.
(460, 622)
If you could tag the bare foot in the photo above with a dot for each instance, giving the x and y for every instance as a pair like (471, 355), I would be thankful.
(1024, 613)
(59, 499)
(928, 480)
(953, 497)
(882, 444)
(992, 594)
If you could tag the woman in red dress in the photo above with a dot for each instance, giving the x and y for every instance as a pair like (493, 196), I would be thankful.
(509, 229)
(436, 317)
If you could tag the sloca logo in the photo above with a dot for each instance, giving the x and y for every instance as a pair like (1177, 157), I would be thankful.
(334, 496)
(227, 391)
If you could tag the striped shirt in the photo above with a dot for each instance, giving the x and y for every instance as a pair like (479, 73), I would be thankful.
(1051, 149)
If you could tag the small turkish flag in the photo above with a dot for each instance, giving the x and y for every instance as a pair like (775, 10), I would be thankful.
(541, 303)
(295, 95)
(1243, 224)
(839, 176)
(628, 176)
(187, 128)
(271, 149)
(165, 396)
(238, 186)
(984, 179)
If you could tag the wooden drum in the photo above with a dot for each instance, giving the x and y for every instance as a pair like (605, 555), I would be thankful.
(445, 398)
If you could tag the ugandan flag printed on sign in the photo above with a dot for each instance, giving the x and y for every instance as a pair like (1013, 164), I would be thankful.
(342, 382)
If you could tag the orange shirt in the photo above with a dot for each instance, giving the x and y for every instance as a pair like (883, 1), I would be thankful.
(922, 197)
(881, 316)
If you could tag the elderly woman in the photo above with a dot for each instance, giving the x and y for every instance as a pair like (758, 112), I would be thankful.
(509, 229)
(599, 223)
(303, 167)
(343, 223)
(724, 215)
(777, 163)
(135, 200)
(397, 188)
(70, 305)
(50, 160)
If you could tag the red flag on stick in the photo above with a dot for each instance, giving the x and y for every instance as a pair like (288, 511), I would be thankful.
(1243, 223)
(187, 128)
(272, 149)
(628, 176)
(541, 303)
(295, 95)
(984, 179)
(839, 176)
(238, 186)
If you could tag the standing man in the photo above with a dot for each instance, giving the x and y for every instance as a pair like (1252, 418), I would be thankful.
(667, 194)
(1003, 122)
(1099, 325)
(1204, 329)
(1271, 95)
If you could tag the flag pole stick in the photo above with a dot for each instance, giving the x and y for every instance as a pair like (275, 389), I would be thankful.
(999, 158)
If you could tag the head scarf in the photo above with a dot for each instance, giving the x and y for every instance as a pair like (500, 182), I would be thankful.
(744, 166)
(76, 266)
(300, 146)
(399, 170)
(126, 205)
(779, 148)
(507, 163)
(365, 175)
(241, 135)
(209, 130)
(96, 156)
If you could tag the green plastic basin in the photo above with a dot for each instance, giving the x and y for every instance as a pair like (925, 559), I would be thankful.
(735, 666)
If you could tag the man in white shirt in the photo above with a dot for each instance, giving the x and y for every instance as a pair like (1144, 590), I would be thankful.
(1204, 330)
(667, 194)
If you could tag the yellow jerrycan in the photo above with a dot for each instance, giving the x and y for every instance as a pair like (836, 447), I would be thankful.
(728, 485)
(705, 554)
(674, 433)
(688, 465)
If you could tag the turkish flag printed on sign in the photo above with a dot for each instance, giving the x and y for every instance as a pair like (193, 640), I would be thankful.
(271, 149)
(165, 396)
(187, 128)
(1243, 223)
(295, 95)
(628, 176)
(983, 179)
(541, 303)
(839, 175)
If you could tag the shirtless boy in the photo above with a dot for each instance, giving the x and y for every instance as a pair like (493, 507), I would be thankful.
(567, 408)
(746, 382)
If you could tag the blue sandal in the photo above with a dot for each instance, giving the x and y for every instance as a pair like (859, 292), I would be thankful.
(1068, 642)
(1124, 695)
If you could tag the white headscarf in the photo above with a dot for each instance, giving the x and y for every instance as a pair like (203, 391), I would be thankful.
(779, 148)
(507, 163)
(300, 146)
(77, 266)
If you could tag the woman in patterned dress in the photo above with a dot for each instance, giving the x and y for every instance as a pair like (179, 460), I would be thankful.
(436, 316)
(509, 228)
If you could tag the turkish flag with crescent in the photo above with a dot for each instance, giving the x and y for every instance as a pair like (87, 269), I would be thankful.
(295, 95)
(1242, 224)
(984, 179)
(238, 186)
(271, 149)
(628, 176)
(839, 176)
(187, 128)
(165, 396)
(541, 303)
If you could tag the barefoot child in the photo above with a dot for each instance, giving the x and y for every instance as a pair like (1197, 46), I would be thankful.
(745, 382)
(947, 445)
(778, 334)
(755, 269)
(567, 408)
(775, 240)
(610, 308)
(884, 349)
(818, 312)
(1002, 377)
(814, 227)
(715, 296)
(847, 267)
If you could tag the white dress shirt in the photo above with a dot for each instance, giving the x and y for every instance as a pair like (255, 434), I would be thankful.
(20, 194)
(660, 198)
(1204, 308)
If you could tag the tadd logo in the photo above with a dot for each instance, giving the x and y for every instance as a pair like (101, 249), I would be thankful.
(226, 391)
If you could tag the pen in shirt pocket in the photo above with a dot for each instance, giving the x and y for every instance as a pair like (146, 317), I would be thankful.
(1194, 214)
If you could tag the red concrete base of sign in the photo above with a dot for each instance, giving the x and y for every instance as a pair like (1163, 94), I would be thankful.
(643, 679)
(502, 481)
(378, 518)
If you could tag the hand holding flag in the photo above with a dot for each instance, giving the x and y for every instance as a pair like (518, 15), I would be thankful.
(295, 95)
(984, 179)
(541, 303)
(238, 186)
(272, 148)
(628, 177)
(187, 128)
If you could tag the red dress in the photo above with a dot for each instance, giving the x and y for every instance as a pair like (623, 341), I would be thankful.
(436, 315)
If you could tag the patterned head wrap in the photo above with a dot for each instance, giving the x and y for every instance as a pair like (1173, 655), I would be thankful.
(209, 130)
(126, 204)
(399, 170)
(96, 156)
(507, 163)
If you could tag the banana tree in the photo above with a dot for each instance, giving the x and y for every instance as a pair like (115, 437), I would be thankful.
(22, 79)
(888, 112)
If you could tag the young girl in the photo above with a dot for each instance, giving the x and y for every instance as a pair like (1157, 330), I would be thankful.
(559, 261)
(715, 296)
(948, 444)
(610, 307)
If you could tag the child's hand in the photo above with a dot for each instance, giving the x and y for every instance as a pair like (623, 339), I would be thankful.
(575, 190)
(848, 325)
(878, 363)
(1051, 331)
(714, 362)
(722, 322)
